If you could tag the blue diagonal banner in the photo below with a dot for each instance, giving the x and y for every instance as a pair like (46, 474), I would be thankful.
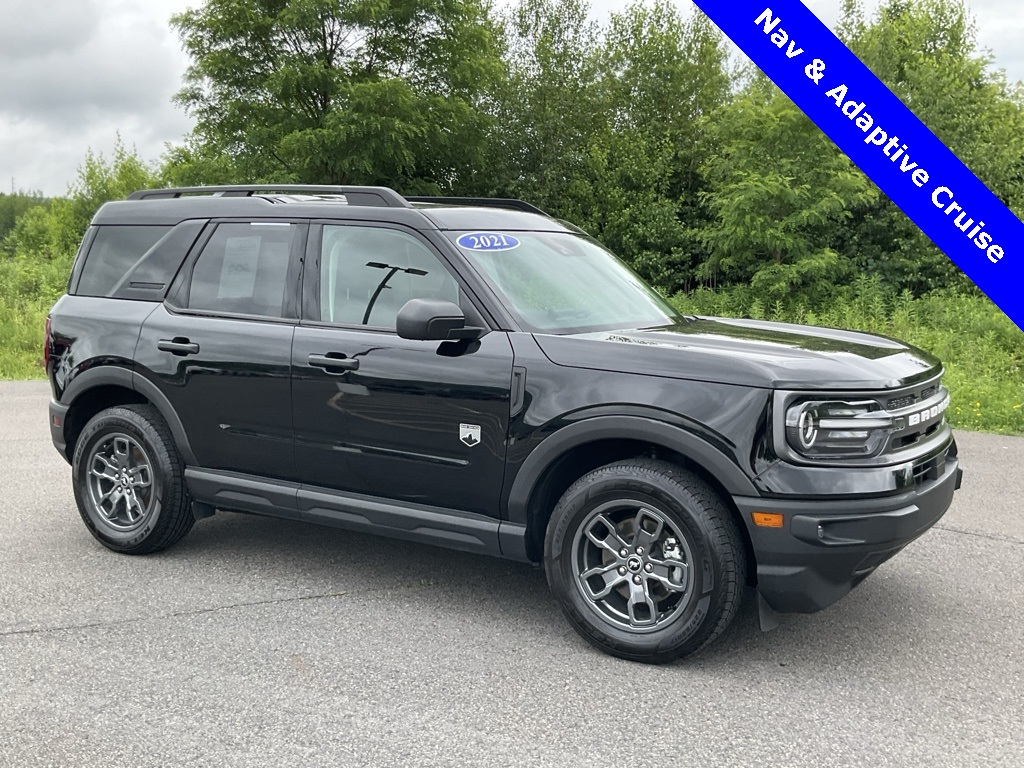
(883, 137)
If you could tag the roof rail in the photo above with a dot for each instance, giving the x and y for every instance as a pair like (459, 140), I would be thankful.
(486, 202)
(372, 196)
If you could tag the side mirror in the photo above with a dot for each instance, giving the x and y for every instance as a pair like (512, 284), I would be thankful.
(433, 320)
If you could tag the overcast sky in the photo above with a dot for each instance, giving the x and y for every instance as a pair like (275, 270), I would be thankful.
(74, 73)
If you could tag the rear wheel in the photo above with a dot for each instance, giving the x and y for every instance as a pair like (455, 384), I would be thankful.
(129, 481)
(645, 560)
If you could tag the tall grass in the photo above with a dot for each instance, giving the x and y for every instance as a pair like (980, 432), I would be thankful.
(983, 350)
(28, 288)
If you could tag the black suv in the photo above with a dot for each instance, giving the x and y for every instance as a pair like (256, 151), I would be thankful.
(479, 375)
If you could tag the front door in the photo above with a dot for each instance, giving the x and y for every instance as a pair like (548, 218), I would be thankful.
(412, 421)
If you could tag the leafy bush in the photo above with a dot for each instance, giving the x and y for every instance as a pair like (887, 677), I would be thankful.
(28, 288)
(13, 206)
(40, 248)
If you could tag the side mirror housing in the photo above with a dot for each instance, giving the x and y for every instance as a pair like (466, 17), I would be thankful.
(433, 320)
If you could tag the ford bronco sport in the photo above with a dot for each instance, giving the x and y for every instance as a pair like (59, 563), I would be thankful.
(478, 375)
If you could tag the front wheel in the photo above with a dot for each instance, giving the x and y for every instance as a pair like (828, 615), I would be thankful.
(645, 559)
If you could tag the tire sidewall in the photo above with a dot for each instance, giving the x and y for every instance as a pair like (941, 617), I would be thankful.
(101, 426)
(687, 630)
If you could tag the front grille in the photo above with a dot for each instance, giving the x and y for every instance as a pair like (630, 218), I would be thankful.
(910, 438)
(905, 401)
(917, 414)
(914, 409)
(900, 402)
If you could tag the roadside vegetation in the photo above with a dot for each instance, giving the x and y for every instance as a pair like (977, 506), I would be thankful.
(644, 131)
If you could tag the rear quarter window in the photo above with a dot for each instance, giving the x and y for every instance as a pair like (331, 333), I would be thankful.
(114, 252)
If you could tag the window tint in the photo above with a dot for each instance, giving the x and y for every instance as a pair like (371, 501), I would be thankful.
(114, 252)
(243, 269)
(367, 274)
(149, 278)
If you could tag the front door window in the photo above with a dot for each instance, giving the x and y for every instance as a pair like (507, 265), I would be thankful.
(367, 274)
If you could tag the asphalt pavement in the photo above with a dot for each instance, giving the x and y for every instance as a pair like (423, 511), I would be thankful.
(263, 642)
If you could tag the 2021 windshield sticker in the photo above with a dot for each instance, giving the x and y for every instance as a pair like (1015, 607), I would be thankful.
(487, 241)
(884, 138)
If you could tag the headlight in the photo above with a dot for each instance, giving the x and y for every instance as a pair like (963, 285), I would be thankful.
(838, 429)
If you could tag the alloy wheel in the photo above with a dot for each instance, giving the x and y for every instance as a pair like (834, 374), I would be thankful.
(633, 565)
(120, 479)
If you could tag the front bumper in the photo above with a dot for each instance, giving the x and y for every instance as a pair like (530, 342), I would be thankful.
(827, 545)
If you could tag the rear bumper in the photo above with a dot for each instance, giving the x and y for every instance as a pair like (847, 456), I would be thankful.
(827, 546)
(58, 415)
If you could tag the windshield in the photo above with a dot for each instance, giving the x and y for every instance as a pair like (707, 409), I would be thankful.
(558, 282)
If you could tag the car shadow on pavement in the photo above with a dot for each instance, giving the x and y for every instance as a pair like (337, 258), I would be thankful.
(316, 560)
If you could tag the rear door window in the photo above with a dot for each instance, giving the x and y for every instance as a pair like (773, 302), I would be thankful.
(243, 270)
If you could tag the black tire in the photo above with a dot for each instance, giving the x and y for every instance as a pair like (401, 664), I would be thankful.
(108, 474)
(656, 609)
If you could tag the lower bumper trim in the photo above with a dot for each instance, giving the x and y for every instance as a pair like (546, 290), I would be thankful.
(829, 546)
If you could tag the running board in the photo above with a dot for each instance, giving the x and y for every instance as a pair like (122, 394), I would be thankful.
(238, 492)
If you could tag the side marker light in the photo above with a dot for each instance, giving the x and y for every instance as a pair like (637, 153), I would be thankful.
(768, 519)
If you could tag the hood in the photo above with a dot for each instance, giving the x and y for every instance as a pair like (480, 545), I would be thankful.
(749, 353)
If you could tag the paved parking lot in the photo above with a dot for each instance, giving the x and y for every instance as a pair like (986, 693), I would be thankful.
(261, 642)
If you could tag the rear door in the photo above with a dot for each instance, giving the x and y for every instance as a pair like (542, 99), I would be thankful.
(219, 348)
(375, 414)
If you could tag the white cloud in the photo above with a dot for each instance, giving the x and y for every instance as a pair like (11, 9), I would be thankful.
(30, 31)
(74, 73)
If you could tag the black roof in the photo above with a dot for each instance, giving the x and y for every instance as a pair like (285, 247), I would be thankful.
(174, 205)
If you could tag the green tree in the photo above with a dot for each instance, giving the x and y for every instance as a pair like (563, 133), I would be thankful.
(14, 205)
(545, 110)
(781, 193)
(54, 231)
(662, 75)
(603, 126)
(794, 217)
(662, 72)
(926, 51)
(322, 91)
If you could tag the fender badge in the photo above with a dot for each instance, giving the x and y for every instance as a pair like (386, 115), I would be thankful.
(469, 434)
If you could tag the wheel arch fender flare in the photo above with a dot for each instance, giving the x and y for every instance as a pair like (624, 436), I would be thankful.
(637, 428)
(151, 392)
(118, 376)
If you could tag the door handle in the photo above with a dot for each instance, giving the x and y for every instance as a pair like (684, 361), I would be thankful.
(178, 346)
(334, 363)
